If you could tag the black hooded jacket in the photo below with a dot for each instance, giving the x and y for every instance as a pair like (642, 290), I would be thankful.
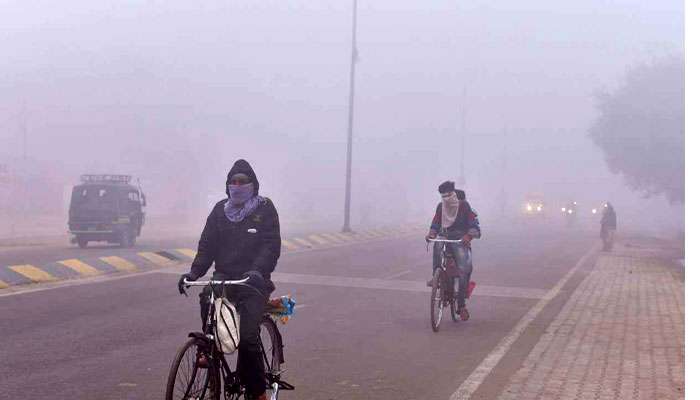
(239, 247)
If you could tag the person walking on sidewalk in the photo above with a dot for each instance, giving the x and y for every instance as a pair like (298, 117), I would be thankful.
(608, 225)
(242, 238)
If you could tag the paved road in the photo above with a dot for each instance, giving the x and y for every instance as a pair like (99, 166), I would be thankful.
(361, 331)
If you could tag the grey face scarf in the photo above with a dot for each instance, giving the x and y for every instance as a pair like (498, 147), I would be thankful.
(241, 202)
(450, 208)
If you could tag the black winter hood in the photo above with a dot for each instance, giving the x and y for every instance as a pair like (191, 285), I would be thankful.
(242, 167)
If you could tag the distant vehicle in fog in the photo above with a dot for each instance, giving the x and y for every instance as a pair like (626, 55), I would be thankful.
(533, 205)
(570, 212)
(106, 208)
(599, 209)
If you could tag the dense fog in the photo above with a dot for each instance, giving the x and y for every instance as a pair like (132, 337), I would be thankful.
(173, 92)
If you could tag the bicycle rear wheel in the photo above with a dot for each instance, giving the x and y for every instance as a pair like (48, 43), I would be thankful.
(436, 300)
(271, 345)
(187, 381)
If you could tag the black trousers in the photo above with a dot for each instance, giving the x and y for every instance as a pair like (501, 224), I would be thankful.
(251, 306)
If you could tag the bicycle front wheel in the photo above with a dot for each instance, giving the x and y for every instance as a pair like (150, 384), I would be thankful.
(188, 379)
(436, 300)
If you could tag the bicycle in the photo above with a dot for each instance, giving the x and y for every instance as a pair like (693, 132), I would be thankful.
(445, 280)
(191, 378)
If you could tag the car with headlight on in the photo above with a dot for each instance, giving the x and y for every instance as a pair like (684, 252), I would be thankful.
(569, 211)
(533, 205)
(600, 209)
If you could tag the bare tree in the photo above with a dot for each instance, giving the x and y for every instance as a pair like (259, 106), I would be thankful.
(641, 128)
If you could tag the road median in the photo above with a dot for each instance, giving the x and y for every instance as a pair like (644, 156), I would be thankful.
(19, 274)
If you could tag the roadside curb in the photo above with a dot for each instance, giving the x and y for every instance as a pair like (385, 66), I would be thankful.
(90, 267)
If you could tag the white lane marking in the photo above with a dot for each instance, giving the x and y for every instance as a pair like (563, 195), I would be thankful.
(385, 284)
(476, 378)
(411, 286)
(397, 274)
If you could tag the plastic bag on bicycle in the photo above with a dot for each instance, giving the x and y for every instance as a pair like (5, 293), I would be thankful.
(281, 307)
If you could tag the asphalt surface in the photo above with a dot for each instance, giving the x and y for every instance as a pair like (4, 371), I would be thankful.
(361, 331)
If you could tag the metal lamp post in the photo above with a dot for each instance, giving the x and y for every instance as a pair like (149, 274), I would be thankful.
(351, 106)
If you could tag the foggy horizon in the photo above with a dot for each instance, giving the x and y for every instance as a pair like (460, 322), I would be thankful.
(173, 94)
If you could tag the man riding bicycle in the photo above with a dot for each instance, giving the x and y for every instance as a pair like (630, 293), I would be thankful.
(455, 219)
(242, 238)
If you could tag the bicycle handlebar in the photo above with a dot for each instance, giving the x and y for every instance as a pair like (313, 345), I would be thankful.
(445, 240)
(213, 282)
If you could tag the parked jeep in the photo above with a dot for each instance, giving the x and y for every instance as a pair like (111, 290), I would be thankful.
(106, 208)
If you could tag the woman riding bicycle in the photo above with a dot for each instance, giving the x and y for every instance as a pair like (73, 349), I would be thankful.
(242, 238)
(455, 219)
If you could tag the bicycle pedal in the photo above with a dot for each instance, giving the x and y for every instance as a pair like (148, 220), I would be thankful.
(285, 386)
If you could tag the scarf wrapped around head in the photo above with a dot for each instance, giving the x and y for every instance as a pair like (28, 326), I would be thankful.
(450, 208)
(242, 202)
(242, 199)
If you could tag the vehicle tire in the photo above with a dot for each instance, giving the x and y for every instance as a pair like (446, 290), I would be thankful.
(202, 383)
(436, 300)
(82, 242)
(126, 239)
(132, 238)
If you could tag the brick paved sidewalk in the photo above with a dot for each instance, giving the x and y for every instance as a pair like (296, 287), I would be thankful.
(619, 336)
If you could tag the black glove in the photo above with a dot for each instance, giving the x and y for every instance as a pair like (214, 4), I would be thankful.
(255, 279)
(181, 282)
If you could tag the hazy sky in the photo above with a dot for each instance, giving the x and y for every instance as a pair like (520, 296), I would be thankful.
(174, 91)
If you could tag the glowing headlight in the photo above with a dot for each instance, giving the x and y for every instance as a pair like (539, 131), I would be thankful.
(563, 209)
(529, 207)
(539, 208)
(594, 211)
(570, 211)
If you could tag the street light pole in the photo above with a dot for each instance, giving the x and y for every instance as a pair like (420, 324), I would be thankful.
(351, 107)
(504, 159)
(463, 123)
(24, 169)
